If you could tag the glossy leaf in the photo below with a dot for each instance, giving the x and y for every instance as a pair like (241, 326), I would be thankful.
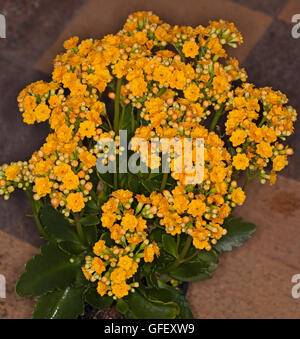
(57, 226)
(169, 245)
(168, 293)
(46, 272)
(122, 306)
(61, 304)
(142, 308)
(238, 231)
(90, 220)
(191, 271)
(94, 299)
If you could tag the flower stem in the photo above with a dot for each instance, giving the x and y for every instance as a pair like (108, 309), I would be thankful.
(182, 255)
(164, 181)
(35, 211)
(79, 230)
(215, 120)
(117, 106)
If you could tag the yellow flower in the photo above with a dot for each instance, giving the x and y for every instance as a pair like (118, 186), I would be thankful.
(102, 288)
(87, 129)
(43, 186)
(120, 290)
(99, 247)
(180, 203)
(238, 196)
(238, 137)
(192, 93)
(264, 149)
(116, 232)
(162, 74)
(190, 49)
(125, 262)
(42, 112)
(178, 80)
(62, 170)
(86, 273)
(220, 84)
(108, 219)
(75, 202)
(196, 208)
(42, 167)
(70, 181)
(122, 195)
(279, 163)
(118, 276)
(138, 86)
(71, 43)
(200, 239)
(88, 159)
(240, 161)
(12, 171)
(129, 222)
(149, 254)
(98, 265)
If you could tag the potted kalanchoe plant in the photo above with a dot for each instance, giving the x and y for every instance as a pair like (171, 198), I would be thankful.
(132, 239)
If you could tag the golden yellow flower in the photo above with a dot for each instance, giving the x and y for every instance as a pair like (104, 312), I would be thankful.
(192, 92)
(120, 290)
(240, 161)
(98, 265)
(196, 208)
(75, 202)
(238, 196)
(43, 186)
(279, 163)
(190, 49)
(102, 288)
(99, 247)
(12, 171)
(87, 129)
(118, 275)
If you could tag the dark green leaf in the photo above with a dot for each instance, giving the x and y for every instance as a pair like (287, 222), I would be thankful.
(168, 293)
(142, 308)
(94, 299)
(90, 220)
(71, 247)
(57, 226)
(237, 232)
(191, 271)
(91, 207)
(91, 234)
(62, 304)
(169, 245)
(46, 272)
(122, 306)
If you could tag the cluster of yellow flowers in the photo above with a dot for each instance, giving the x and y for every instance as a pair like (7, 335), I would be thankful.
(113, 266)
(257, 144)
(174, 77)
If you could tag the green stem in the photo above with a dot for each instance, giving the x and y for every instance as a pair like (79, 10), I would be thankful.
(115, 181)
(35, 211)
(215, 120)
(182, 255)
(164, 181)
(117, 106)
(79, 229)
(262, 121)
